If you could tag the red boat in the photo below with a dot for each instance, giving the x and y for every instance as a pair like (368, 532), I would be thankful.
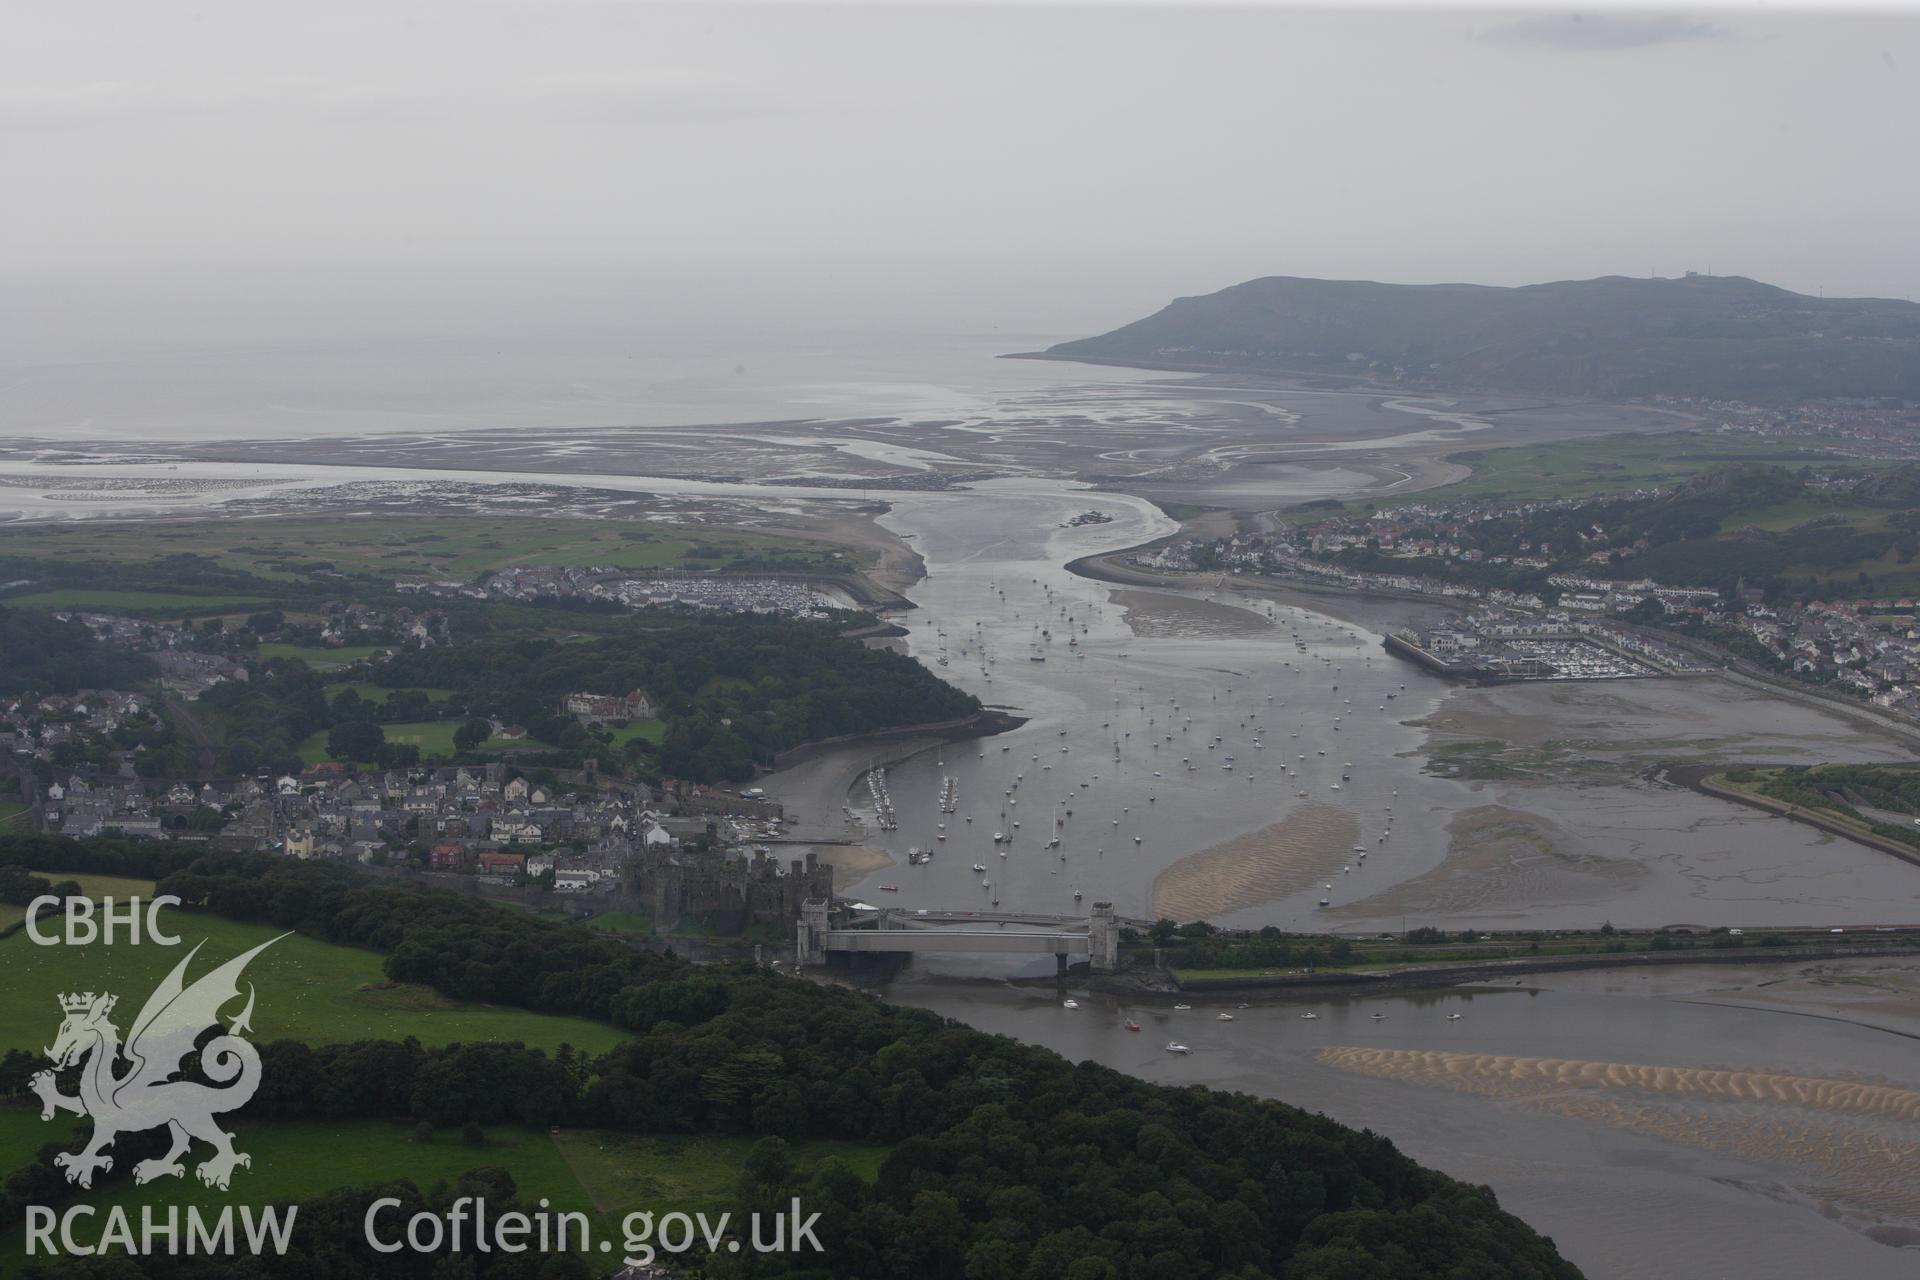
(1131, 1025)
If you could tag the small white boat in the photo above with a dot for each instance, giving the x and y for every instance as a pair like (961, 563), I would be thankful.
(1223, 1017)
(1310, 1017)
(1069, 1004)
(1174, 1046)
(1183, 1006)
(1379, 1017)
(1455, 1017)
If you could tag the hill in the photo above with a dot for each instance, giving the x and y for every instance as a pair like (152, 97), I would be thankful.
(1720, 337)
(951, 1152)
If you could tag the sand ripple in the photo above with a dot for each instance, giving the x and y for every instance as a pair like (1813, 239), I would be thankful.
(1292, 855)
(1849, 1141)
(1506, 1074)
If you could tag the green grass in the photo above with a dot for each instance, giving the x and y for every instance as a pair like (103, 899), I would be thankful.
(623, 1172)
(449, 548)
(320, 657)
(13, 816)
(433, 737)
(98, 887)
(156, 602)
(622, 922)
(95, 887)
(1615, 464)
(308, 990)
(654, 731)
(603, 1174)
(296, 1160)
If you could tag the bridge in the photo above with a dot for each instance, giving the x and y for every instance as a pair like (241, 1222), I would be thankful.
(1095, 936)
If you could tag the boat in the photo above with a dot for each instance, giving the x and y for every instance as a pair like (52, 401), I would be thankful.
(1223, 1017)
(889, 888)
(1174, 1046)
(1183, 1006)
(999, 837)
(1379, 1017)
(1069, 1004)
(1455, 1017)
(980, 867)
(1130, 1025)
(1310, 1017)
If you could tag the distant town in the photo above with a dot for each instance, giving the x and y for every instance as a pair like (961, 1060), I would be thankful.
(1576, 624)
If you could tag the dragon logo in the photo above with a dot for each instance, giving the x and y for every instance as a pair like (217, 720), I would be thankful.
(145, 1095)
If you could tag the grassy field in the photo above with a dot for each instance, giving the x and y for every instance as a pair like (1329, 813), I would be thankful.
(605, 1175)
(321, 658)
(1615, 464)
(622, 922)
(654, 731)
(13, 816)
(95, 887)
(622, 1172)
(297, 1160)
(356, 1152)
(308, 990)
(154, 602)
(433, 737)
(440, 547)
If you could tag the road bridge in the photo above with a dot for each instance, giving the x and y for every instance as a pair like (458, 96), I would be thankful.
(1095, 936)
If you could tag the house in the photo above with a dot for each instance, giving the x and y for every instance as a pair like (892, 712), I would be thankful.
(502, 864)
(590, 708)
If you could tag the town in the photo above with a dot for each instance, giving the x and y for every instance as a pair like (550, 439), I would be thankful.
(1516, 594)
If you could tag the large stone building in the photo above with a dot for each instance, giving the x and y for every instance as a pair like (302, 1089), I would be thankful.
(726, 891)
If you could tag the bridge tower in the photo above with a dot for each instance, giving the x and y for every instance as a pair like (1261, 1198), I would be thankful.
(1103, 939)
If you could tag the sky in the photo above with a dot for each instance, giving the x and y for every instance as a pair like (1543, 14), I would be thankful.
(312, 164)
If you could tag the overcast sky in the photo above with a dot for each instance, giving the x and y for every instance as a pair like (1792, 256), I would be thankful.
(1039, 168)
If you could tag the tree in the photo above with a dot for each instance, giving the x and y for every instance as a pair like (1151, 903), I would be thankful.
(356, 740)
(471, 734)
(473, 1135)
(768, 1172)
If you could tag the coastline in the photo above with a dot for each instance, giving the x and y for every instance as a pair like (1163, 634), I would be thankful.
(1463, 975)
(1694, 778)
(984, 723)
